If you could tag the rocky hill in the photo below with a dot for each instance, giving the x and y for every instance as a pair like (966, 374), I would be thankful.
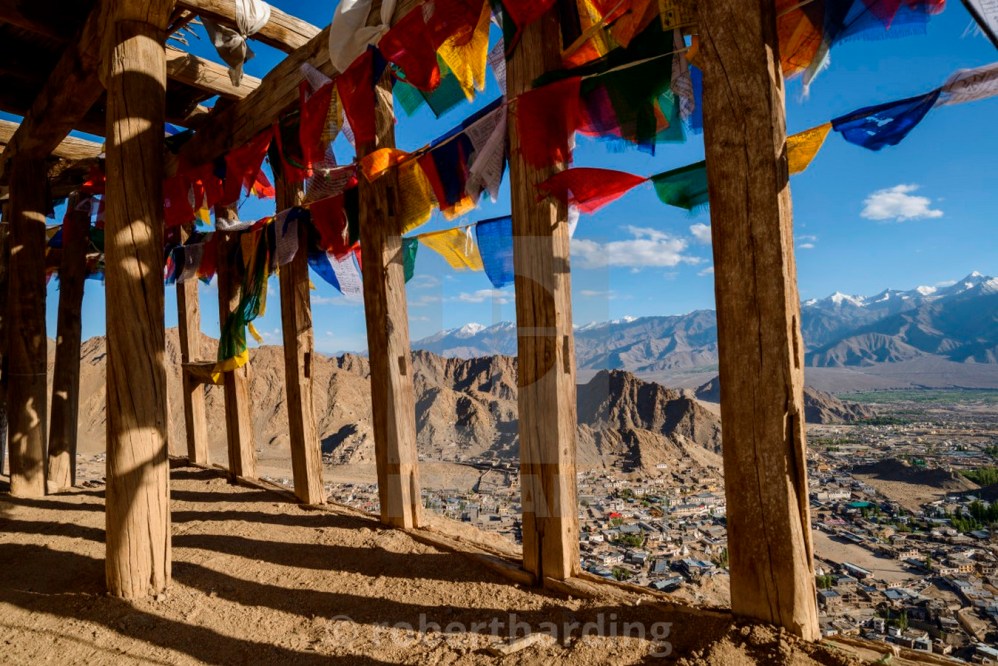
(819, 407)
(465, 409)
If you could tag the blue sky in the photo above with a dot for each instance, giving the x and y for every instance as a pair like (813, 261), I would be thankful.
(921, 212)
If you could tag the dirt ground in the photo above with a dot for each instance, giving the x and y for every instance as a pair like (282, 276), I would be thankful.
(257, 579)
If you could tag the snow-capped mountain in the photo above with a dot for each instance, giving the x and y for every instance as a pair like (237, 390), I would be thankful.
(956, 322)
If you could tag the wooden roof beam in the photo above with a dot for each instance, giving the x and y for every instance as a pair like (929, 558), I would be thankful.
(71, 148)
(283, 31)
(278, 91)
(206, 75)
(68, 94)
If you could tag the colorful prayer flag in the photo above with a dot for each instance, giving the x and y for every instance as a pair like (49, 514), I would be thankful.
(495, 247)
(546, 121)
(874, 127)
(803, 146)
(456, 246)
(685, 187)
(590, 189)
(970, 85)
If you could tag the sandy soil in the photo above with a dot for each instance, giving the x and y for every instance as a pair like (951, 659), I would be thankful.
(259, 580)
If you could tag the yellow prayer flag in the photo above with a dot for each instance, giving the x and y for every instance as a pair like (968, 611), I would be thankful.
(462, 207)
(802, 147)
(456, 246)
(374, 165)
(467, 55)
(416, 200)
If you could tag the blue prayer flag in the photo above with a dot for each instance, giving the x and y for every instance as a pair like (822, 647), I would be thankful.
(495, 245)
(888, 124)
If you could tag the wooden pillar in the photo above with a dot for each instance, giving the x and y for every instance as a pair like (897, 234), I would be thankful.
(545, 343)
(758, 317)
(27, 343)
(4, 273)
(392, 395)
(66, 373)
(189, 326)
(299, 350)
(138, 497)
(238, 408)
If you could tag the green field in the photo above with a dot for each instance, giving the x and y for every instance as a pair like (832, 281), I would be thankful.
(925, 396)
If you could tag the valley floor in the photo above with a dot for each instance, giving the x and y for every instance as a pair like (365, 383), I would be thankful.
(257, 579)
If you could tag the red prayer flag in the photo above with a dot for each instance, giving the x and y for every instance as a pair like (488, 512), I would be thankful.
(177, 208)
(330, 220)
(546, 119)
(590, 189)
(356, 89)
(525, 12)
(242, 166)
(314, 114)
(408, 46)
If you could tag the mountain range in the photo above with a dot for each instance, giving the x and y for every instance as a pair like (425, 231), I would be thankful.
(956, 324)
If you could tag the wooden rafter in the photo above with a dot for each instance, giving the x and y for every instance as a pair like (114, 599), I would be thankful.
(277, 92)
(68, 94)
(206, 75)
(283, 31)
(71, 148)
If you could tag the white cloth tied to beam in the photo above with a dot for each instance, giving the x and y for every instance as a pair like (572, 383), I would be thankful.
(251, 16)
(349, 34)
(970, 85)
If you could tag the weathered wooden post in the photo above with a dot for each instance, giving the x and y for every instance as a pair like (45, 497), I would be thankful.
(758, 317)
(545, 342)
(4, 273)
(392, 395)
(299, 350)
(138, 498)
(238, 408)
(189, 328)
(66, 373)
(27, 396)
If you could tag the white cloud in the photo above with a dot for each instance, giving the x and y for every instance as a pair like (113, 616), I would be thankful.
(423, 301)
(424, 282)
(649, 247)
(595, 293)
(898, 204)
(338, 299)
(701, 232)
(806, 246)
(707, 271)
(496, 295)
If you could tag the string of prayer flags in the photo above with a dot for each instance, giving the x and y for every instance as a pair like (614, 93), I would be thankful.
(970, 85)
(685, 187)
(410, 246)
(408, 46)
(466, 54)
(546, 120)
(590, 189)
(456, 246)
(803, 146)
(495, 247)
(874, 127)
(445, 166)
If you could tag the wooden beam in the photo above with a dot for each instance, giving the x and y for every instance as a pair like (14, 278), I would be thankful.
(206, 75)
(27, 342)
(392, 395)
(545, 342)
(278, 91)
(71, 148)
(69, 92)
(238, 405)
(758, 317)
(66, 373)
(138, 496)
(189, 325)
(299, 353)
(283, 31)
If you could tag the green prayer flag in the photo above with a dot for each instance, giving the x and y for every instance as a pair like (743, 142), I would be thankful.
(685, 187)
(409, 248)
